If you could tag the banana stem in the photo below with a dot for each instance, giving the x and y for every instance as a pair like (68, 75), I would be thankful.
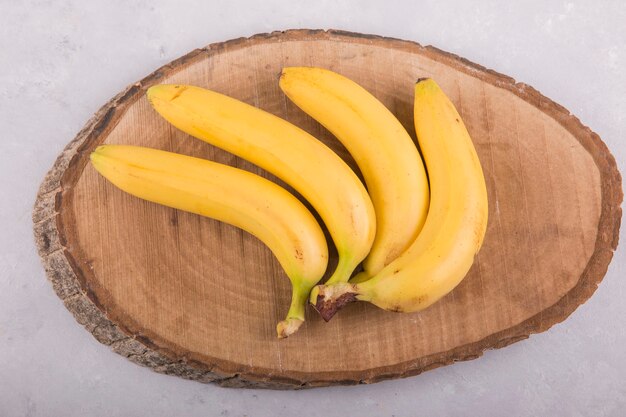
(343, 271)
(295, 315)
(328, 299)
(299, 296)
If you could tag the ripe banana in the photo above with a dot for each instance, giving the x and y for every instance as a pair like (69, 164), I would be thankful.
(286, 151)
(444, 250)
(385, 153)
(233, 196)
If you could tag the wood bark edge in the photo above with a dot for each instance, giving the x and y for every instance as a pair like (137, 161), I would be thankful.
(63, 274)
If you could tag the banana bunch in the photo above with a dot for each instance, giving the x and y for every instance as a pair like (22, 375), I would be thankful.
(415, 234)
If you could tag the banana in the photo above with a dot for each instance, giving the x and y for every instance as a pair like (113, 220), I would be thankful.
(288, 152)
(231, 195)
(385, 153)
(453, 233)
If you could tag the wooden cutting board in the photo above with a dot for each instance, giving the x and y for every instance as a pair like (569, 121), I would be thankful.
(192, 297)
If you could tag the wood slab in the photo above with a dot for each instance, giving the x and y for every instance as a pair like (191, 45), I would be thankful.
(192, 297)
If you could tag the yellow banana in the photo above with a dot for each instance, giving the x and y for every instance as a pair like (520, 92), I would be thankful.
(385, 153)
(286, 151)
(233, 196)
(444, 250)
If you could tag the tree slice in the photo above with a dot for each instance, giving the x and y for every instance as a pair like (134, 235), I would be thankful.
(192, 297)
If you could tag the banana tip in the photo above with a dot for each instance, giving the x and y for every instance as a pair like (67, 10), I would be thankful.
(166, 92)
(99, 153)
(96, 154)
(288, 327)
(284, 73)
(426, 84)
(99, 149)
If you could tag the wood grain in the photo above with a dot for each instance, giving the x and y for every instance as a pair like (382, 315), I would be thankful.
(192, 297)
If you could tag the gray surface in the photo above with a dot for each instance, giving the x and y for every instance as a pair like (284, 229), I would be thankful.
(60, 60)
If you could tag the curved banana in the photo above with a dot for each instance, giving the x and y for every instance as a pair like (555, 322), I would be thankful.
(286, 151)
(385, 153)
(231, 195)
(444, 251)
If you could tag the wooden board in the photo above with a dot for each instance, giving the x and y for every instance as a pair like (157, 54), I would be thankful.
(192, 297)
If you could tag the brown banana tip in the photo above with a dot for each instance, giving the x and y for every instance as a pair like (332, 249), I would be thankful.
(282, 74)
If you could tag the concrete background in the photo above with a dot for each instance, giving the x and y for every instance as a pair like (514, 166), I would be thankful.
(60, 60)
